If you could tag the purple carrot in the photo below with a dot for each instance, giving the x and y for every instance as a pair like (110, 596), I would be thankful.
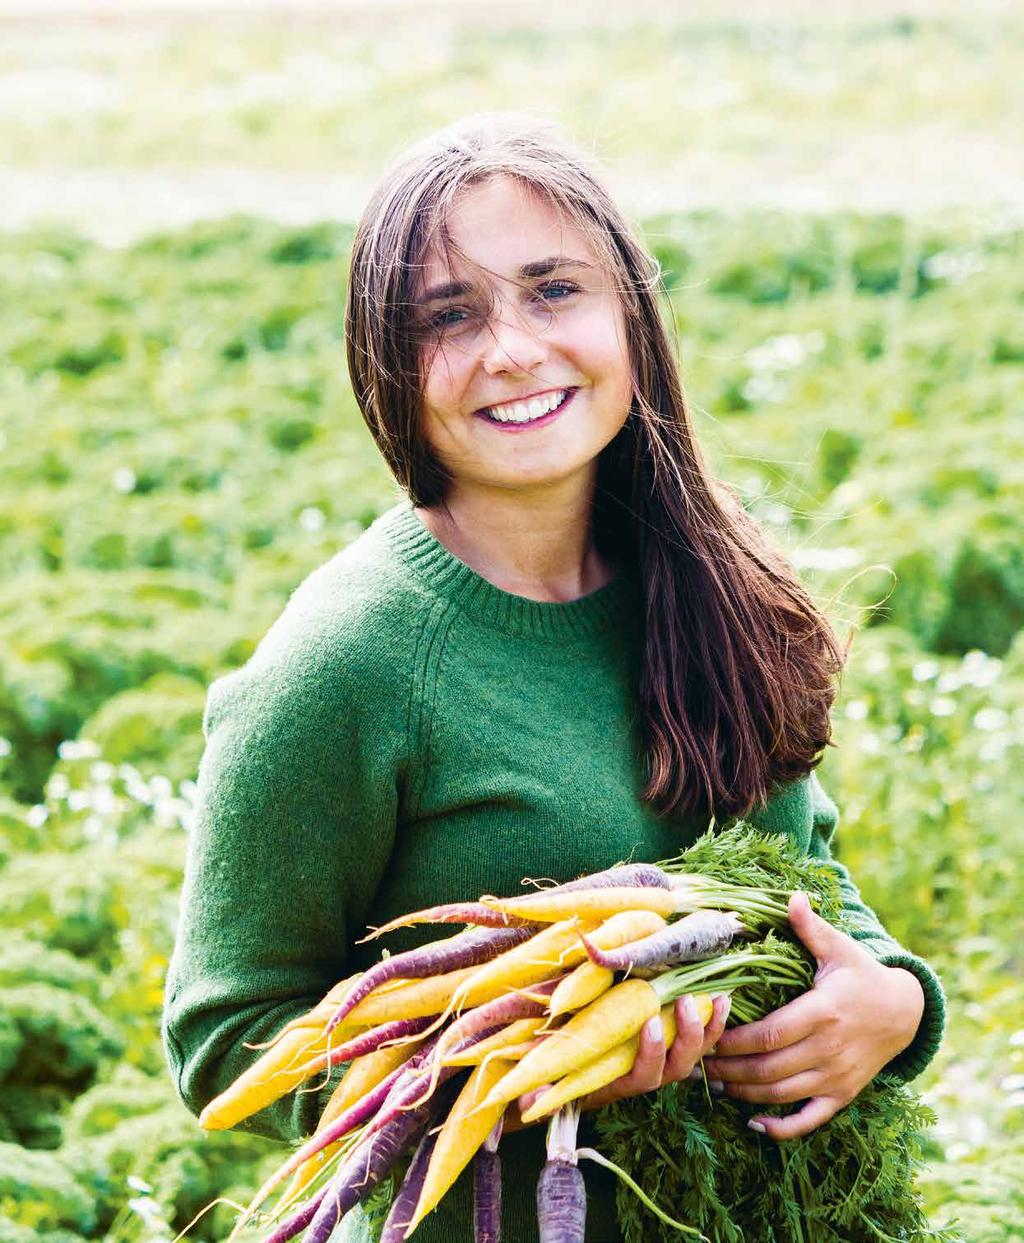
(404, 1206)
(492, 1015)
(367, 1042)
(363, 1169)
(487, 1189)
(561, 1203)
(561, 1194)
(366, 1107)
(299, 1220)
(690, 939)
(448, 913)
(465, 949)
(625, 876)
(414, 1088)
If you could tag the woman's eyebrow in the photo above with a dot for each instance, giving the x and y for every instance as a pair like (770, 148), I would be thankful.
(537, 267)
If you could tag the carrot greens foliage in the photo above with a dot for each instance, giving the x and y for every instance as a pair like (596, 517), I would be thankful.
(849, 1181)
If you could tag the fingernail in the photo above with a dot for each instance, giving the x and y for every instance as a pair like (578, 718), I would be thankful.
(759, 1127)
(690, 1006)
(695, 1074)
(716, 1086)
(727, 1004)
(655, 1029)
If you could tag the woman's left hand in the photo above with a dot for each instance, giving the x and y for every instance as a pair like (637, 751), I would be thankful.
(829, 1043)
(655, 1066)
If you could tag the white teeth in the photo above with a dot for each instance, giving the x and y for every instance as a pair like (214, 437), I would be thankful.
(525, 412)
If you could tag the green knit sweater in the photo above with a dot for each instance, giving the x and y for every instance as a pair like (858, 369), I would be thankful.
(407, 734)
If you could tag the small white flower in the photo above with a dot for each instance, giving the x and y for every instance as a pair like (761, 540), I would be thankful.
(92, 828)
(925, 670)
(954, 266)
(6, 748)
(37, 816)
(312, 519)
(942, 706)
(102, 800)
(150, 1212)
(78, 800)
(58, 786)
(777, 353)
(990, 719)
(78, 749)
(160, 787)
(775, 514)
(139, 1184)
(856, 710)
(101, 771)
(993, 748)
(763, 386)
(979, 669)
(125, 480)
(138, 791)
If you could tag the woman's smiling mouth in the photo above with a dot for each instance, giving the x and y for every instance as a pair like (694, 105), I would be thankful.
(538, 411)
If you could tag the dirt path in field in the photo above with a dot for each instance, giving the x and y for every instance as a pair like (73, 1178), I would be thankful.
(879, 173)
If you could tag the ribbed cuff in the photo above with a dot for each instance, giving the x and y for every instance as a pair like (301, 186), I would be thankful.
(919, 1053)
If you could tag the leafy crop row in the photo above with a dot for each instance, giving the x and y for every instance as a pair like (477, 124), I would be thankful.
(180, 447)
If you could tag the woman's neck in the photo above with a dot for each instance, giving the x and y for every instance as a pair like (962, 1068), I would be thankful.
(542, 550)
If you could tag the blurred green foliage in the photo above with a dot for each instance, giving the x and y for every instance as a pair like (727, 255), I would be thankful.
(180, 447)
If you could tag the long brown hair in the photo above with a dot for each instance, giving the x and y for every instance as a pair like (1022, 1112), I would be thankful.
(739, 667)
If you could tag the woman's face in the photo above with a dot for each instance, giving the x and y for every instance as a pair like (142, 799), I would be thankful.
(534, 323)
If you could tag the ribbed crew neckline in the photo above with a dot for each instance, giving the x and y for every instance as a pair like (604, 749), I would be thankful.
(444, 575)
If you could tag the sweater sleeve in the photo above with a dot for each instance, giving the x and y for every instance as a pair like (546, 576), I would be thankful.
(296, 813)
(806, 804)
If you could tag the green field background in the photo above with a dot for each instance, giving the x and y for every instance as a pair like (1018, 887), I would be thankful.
(179, 446)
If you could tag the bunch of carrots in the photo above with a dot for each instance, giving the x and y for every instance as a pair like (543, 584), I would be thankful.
(547, 990)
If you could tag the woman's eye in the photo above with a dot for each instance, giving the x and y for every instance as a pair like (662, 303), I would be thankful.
(559, 287)
(442, 320)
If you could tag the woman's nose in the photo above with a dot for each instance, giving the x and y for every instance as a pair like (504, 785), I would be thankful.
(512, 345)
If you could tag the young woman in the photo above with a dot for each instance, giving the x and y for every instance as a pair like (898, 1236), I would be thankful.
(564, 647)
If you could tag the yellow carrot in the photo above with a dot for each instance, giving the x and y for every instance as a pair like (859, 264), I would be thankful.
(552, 950)
(612, 1018)
(548, 907)
(588, 981)
(607, 1067)
(580, 987)
(468, 1124)
(514, 1052)
(283, 1067)
(515, 1033)
(415, 999)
